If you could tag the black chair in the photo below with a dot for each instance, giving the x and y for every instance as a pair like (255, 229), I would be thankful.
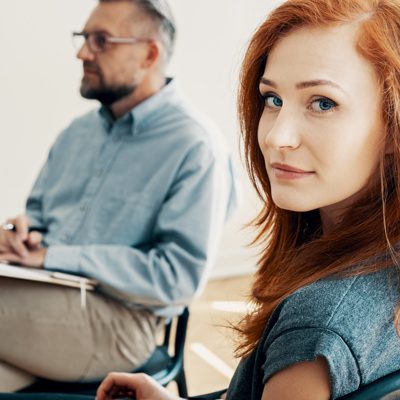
(385, 388)
(208, 396)
(162, 365)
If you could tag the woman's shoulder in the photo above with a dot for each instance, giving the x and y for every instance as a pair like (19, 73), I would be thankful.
(350, 321)
(330, 299)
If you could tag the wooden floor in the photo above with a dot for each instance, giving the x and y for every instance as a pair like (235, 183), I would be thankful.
(209, 360)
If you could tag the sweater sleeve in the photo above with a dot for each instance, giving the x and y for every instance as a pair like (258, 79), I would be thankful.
(306, 344)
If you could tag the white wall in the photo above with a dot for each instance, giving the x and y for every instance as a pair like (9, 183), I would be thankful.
(40, 77)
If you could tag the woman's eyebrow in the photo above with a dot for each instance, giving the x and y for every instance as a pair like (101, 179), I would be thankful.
(305, 84)
(317, 82)
(268, 82)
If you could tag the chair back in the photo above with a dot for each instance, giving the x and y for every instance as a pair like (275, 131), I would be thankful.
(165, 366)
(385, 388)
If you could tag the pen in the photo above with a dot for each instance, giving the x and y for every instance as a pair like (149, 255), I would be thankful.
(12, 228)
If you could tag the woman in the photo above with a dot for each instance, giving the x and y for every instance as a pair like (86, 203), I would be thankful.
(319, 107)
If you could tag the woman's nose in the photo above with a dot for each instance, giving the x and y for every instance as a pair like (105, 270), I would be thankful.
(284, 132)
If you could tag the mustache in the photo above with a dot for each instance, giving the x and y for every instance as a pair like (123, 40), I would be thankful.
(91, 66)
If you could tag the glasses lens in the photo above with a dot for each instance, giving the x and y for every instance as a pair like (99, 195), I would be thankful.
(78, 39)
(97, 41)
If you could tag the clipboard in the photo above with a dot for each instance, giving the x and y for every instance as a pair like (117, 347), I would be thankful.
(51, 277)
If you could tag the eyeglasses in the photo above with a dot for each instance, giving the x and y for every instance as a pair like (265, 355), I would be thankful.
(99, 41)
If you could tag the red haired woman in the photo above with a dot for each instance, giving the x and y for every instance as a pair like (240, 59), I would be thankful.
(319, 106)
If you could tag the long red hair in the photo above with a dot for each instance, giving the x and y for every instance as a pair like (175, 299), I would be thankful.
(294, 253)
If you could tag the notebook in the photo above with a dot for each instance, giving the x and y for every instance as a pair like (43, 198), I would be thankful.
(51, 277)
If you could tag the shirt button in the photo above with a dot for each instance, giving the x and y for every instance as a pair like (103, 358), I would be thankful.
(83, 207)
(99, 172)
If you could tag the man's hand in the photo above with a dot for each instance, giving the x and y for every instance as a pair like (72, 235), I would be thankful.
(19, 242)
(33, 258)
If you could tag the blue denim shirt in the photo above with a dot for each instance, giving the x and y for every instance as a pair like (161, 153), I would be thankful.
(138, 203)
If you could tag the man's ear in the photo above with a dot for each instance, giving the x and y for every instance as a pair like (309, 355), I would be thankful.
(153, 54)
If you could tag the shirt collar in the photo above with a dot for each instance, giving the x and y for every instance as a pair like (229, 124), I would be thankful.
(106, 116)
(142, 113)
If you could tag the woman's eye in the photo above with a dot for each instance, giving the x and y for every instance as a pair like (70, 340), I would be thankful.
(272, 101)
(323, 105)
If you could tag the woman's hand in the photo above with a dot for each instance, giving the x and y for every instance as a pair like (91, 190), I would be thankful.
(137, 386)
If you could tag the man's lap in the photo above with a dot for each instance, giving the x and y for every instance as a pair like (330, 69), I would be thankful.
(44, 331)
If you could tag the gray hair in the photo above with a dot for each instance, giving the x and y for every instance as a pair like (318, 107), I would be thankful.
(160, 13)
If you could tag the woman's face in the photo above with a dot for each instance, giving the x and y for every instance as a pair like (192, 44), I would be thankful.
(321, 131)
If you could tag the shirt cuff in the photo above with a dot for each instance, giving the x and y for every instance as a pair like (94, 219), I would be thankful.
(63, 258)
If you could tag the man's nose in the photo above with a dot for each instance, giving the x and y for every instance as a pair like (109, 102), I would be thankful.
(84, 53)
(284, 132)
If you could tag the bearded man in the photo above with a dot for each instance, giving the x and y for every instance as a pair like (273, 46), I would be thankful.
(134, 195)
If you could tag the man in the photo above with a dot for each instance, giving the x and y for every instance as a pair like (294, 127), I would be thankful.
(133, 195)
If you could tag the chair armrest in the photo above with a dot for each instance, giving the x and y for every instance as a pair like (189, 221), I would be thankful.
(209, 396)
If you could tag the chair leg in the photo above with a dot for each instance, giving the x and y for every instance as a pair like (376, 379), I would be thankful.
(181, 382)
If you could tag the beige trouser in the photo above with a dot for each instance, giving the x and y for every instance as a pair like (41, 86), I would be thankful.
(44, 332)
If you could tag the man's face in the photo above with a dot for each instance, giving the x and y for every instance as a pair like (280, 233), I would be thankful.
(116, 72)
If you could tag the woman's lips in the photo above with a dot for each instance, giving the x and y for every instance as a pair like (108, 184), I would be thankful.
(284, 171)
